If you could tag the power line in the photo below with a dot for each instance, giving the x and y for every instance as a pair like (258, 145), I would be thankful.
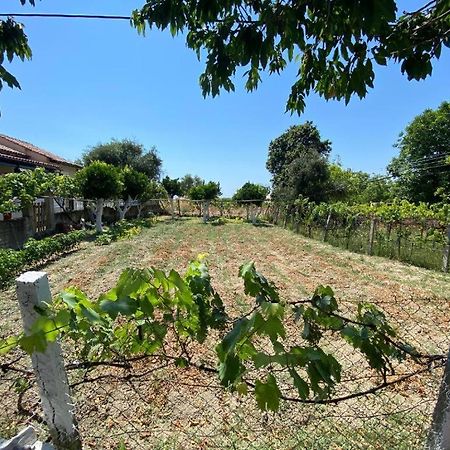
(67, 16)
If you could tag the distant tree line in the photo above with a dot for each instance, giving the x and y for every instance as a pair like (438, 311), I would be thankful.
(299, 163)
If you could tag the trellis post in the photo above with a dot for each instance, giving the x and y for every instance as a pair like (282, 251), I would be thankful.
(446, 254)
(371, 236)
(33, 291)
(439, 435)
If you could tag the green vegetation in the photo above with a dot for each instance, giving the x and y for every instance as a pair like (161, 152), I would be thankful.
(251, 192)
(422, 168)
(124, 229)
(126, 153)
(335, 47)
(36, 252)
(19, 190)
(100, 181)
(139, 315)
(297, 161)
(414, 301)
(413, 233)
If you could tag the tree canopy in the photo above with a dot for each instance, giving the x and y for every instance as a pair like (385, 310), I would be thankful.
(13, 43)
(172, 186)
(189, 181)
(135, 184)
(251, 191)
(297, 161)
(205, 191)
(126, 152)
(422, 166)
(335, 44)
(358, 187)
(100, 180)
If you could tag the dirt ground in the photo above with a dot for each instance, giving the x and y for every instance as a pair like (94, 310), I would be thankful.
(186, 409)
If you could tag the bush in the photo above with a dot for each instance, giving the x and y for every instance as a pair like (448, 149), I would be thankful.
(36, 252)
(125, 229)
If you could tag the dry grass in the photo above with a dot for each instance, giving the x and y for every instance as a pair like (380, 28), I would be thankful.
(185, 409)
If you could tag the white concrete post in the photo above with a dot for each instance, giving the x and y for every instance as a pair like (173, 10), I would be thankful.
(33, 290)
(253, 213)
(99, 215)
(439, 435)
(205, 211)
(371, 237)
(327, 225)
(172, 208)
(446, 254)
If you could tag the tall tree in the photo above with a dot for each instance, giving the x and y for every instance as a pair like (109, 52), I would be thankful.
(423, 165)
(126, 152)
(189, 181)
(297, 161)
(335, 43)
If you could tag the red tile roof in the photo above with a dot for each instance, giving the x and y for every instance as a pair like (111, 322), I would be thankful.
(26, 160)
(40, 151)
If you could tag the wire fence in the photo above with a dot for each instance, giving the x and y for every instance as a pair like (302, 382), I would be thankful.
(149, 403)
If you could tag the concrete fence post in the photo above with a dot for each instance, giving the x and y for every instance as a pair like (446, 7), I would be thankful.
(33, 290)
(439, 435)
(206, 211)
(446, 254)
(371, 237)
(326, 228)
(29, 221)
(50, 213)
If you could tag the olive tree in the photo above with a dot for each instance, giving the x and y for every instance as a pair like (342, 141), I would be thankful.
(100, 181)
(126, 153)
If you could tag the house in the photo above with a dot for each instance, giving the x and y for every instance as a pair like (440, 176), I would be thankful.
(17, 155)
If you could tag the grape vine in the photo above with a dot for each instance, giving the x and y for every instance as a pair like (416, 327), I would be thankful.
(274, 350)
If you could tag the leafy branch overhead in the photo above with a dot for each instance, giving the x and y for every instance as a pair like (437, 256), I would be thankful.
(334, 44)
(276, 351)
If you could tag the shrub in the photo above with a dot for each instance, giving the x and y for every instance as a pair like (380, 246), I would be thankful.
(36, 252)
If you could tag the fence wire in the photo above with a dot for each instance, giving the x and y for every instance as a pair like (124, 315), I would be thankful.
(151, 404)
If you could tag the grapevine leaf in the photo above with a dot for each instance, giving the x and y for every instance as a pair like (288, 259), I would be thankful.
(300, 384)
(6, 345)
(230, 369)
(125, 306)
(268, 394)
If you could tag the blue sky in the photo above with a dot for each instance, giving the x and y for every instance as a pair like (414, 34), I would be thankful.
(90, 81)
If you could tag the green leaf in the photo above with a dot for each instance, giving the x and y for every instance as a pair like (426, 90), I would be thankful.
(268, 394)
(230, 369)
(8, 344)
(125, 306)
(300, 384)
